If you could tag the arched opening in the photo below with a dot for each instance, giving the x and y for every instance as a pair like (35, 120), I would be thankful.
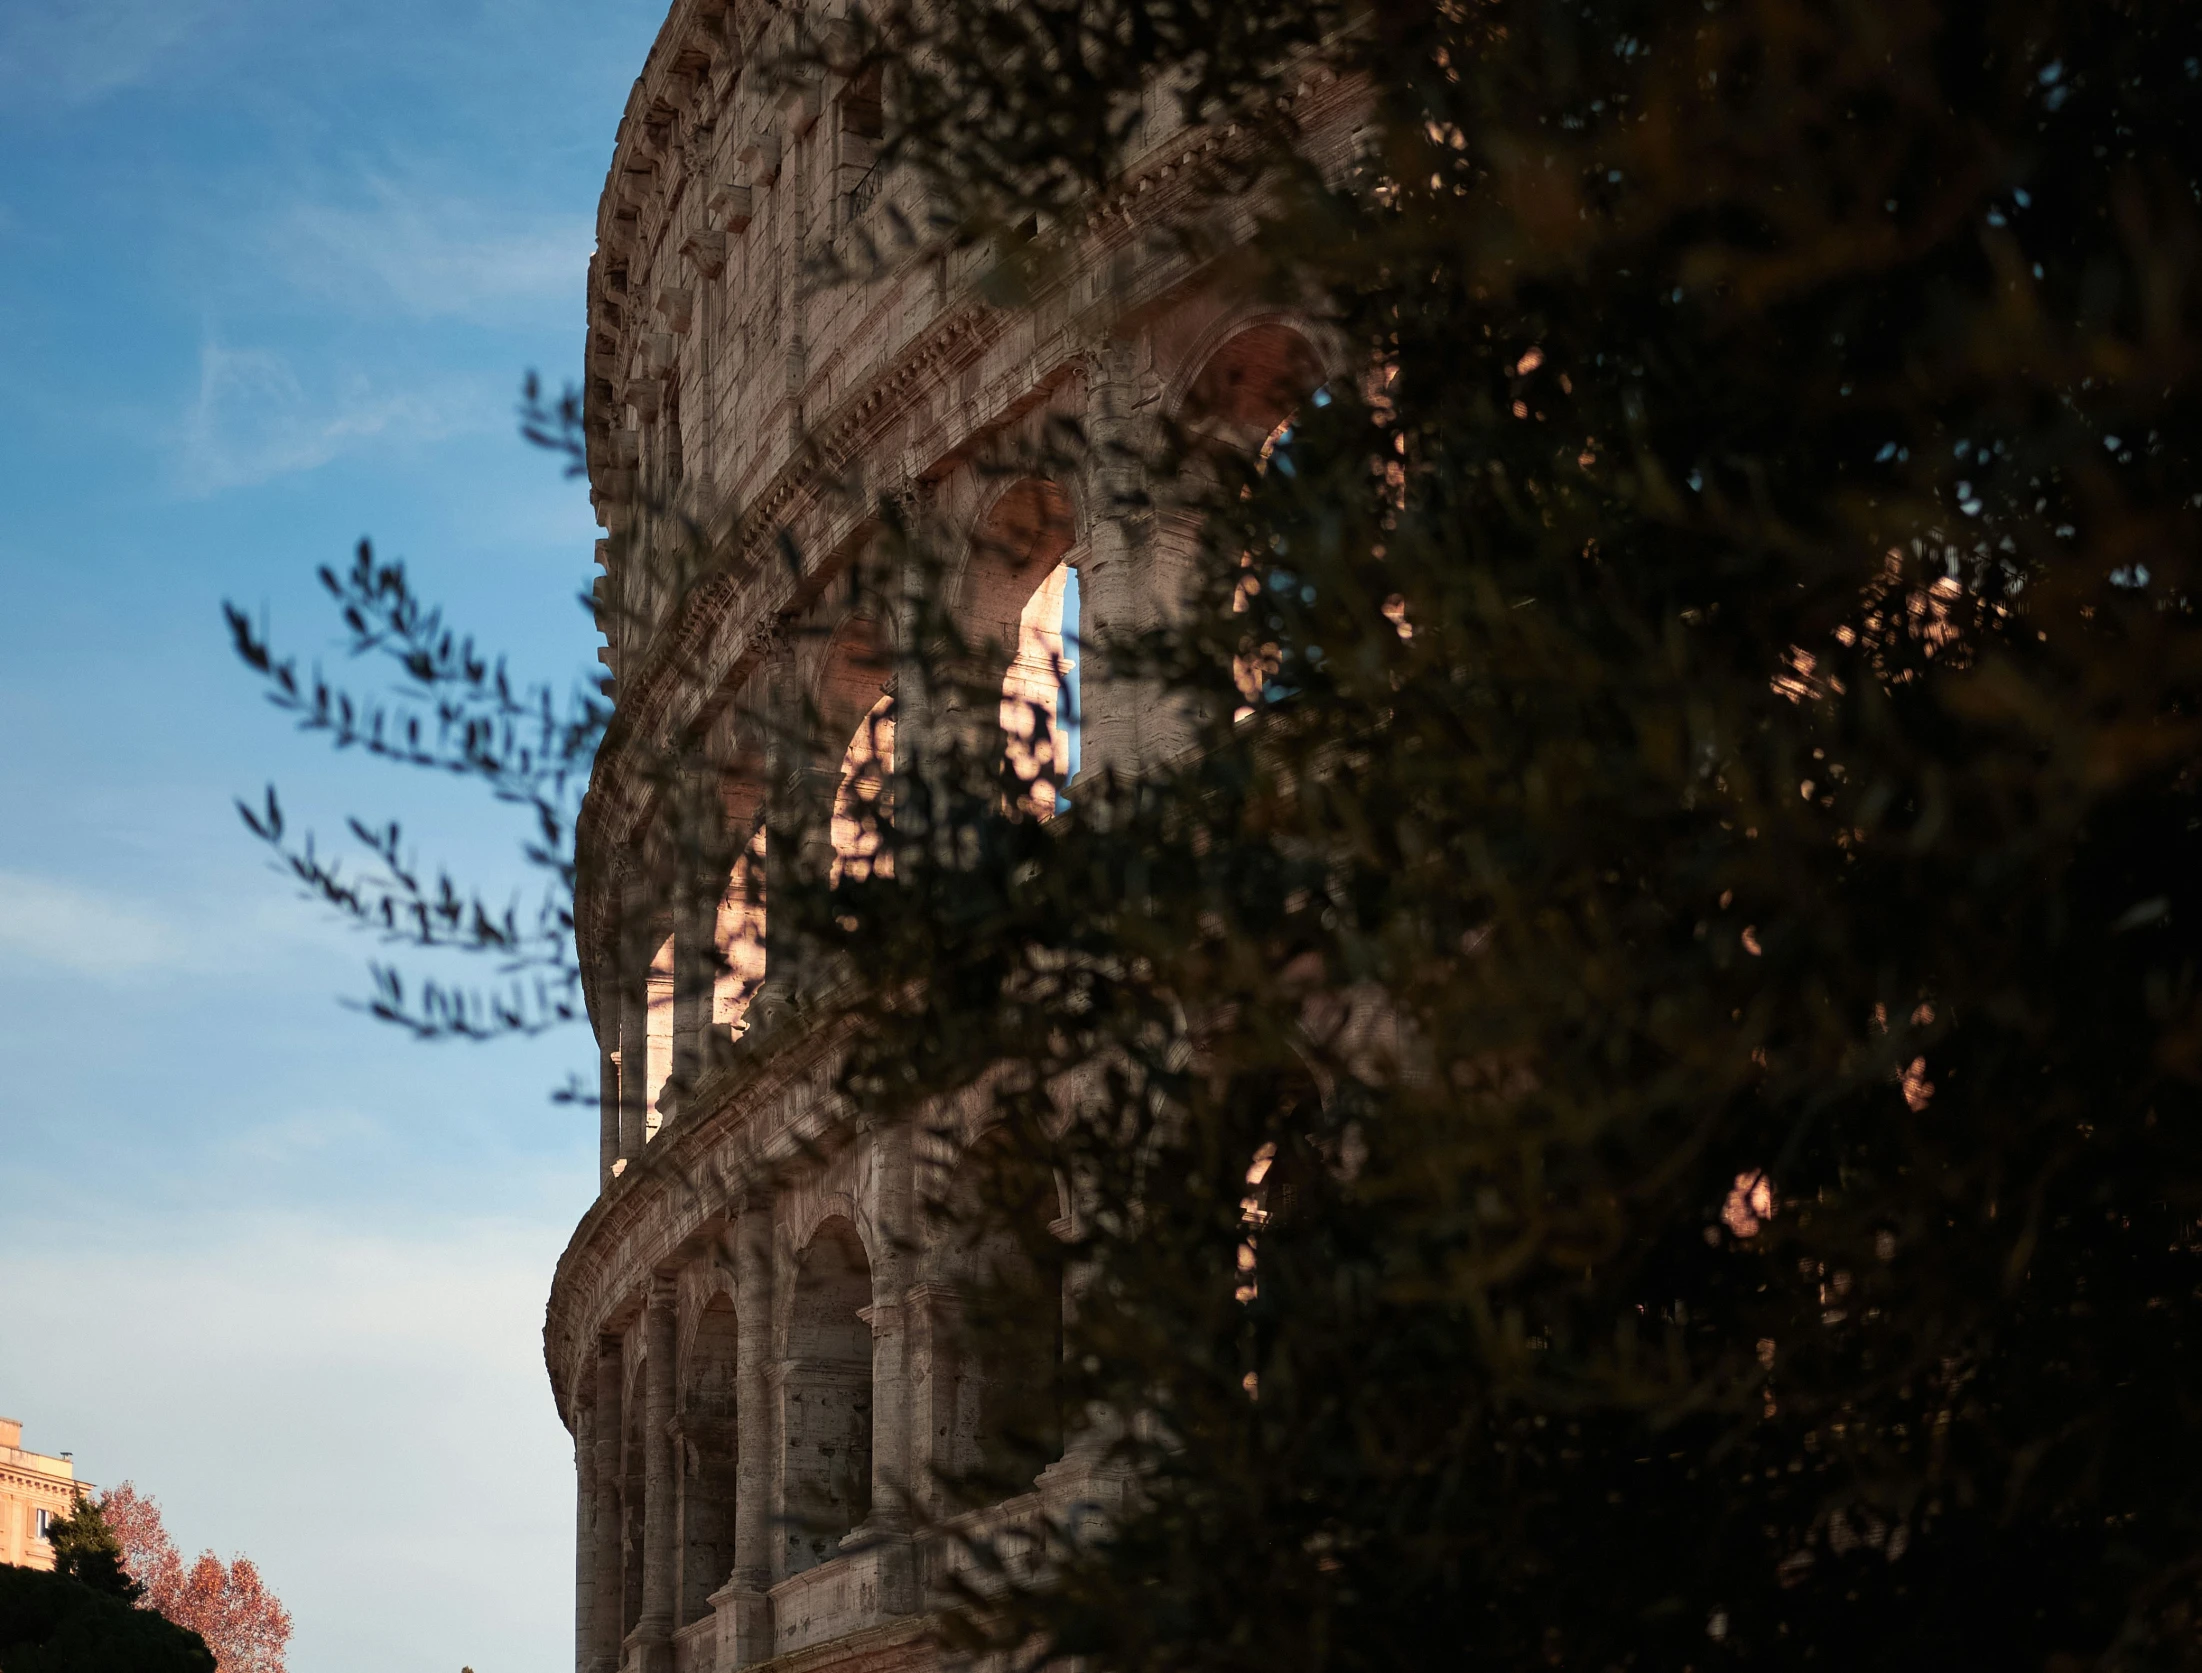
(707, 1462)
(1019, 598)
(854, 705)
(741, 937)
(1040, 690)
(1255, 665)
(1020, 1270)
(657, 1036)
(1287, 1176)
(1244, 398)
(826, 1410)
(1252, 382)
(860, 809)
(998, 1414)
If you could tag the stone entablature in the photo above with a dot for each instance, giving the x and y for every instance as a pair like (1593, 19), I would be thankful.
(749, 1335)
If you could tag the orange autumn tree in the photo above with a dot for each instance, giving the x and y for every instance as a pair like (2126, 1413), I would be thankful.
(228, 1605)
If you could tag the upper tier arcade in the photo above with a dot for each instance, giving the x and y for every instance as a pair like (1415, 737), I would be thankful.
(749, 1335)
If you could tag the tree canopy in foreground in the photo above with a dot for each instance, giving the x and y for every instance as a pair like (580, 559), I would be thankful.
(1634, 1103)
(87, 1549)
(226, 1604)
(53, 1623)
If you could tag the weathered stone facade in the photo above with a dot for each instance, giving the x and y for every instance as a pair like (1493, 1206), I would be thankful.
(748, 1336)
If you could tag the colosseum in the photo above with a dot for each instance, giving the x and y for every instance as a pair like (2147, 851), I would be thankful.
(748, 1336)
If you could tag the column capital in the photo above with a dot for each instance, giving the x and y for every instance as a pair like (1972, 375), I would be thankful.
(913, 497)
(930, 1296)
(776, 639)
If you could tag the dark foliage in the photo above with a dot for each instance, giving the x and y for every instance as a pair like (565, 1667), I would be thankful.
(89, 1552)
(50, 1623)
(1636, 1104)
(454, 710)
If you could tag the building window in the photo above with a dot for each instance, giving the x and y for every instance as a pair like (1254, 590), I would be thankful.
(44, 1517)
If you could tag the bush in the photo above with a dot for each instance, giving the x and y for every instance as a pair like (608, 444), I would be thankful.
(50, 1623)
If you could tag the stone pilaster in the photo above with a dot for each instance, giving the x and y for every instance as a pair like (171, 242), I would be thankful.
(660, 1528)
(785, 744)
(887, 1528)
(702, 863)
(584, 1528)
(895, 1186)
(607, 1096)
(744, 1611)
(1170, 723)
(931, 1313)
(927, 705)
(1085, 1487)
(634, 1020)
(1112, 579)
(605, 1626)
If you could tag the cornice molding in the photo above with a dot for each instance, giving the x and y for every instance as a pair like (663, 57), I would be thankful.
(711, 638)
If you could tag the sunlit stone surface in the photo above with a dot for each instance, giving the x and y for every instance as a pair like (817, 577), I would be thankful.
(749, 1337)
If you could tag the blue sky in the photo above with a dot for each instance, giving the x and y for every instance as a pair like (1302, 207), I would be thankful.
(270, 274)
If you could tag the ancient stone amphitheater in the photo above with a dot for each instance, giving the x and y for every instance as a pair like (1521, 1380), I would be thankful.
(748, 1336)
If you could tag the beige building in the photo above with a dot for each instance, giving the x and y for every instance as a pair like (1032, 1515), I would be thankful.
(750, 1337)
(34, 1490)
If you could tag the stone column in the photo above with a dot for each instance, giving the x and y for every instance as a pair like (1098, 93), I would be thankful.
(660, 1531)
(1085, 1487)
(607, 1097)
(605, 1624)
(634, 1019)
(584, 1529)
(888, 1525)
(920, 696)
(702, 863)
(798, 817)
(891, 1276)
(811, 791)
(784, 746)
(930, 1313)
(745, 1612)
(1111, 578)
(1168, 726)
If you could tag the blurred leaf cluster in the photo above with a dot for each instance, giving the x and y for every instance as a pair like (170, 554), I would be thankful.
(1633, 1104)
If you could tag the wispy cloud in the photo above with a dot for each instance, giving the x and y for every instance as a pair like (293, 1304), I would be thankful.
(253, 419)
(77, 51)
(429, 255)
(49, 923)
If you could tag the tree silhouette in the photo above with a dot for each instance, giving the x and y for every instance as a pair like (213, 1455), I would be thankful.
(228, 1605)
(51, 1623)
(1633, 1102)
(87, 1549)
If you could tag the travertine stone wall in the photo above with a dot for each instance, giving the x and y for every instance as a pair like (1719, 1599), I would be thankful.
(748, 1336)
